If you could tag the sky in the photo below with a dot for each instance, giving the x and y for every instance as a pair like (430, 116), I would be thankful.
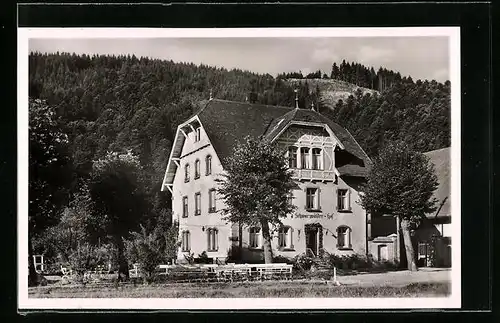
(418, 57)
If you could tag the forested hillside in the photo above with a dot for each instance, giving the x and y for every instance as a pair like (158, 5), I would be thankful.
(110, 103)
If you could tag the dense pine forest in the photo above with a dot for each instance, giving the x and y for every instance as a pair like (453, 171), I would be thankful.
(114, 103)
(354, 73)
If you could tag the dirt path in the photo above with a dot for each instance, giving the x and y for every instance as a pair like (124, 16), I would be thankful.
(398, 278)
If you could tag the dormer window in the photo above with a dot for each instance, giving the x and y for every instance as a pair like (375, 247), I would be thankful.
(316, 159)
(197, 134)
(305, 157)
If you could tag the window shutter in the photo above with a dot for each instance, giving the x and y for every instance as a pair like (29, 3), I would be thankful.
(349, 231)
(291, 237)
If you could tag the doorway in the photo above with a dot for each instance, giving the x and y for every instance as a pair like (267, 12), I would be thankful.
(313, 233)
(383, 254)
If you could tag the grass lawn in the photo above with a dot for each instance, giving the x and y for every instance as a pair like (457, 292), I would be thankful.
(241, 290)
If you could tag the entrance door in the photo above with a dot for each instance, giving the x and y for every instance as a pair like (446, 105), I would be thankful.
(383, 254)
(312, 240)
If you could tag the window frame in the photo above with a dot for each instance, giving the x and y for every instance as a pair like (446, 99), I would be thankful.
(197, 203)
(347, 200)
(305, 157)
(208, 165)
(212, 239)
(293, 159)
(316, 201)
(185, 206)
(185, 241)
(197, 169)
(186, 173)
(316, 159)
(212, 201)
(285, 238)
(254, 237)
(347, 235)
(197, 134)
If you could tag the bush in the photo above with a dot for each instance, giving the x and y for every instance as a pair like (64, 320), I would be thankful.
(353, 261)
(146, 250)
(283, 259)
(303, 262)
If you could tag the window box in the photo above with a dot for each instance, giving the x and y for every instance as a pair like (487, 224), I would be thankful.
(212, 210)
(287, 249)
(313, 210)
(349, 210)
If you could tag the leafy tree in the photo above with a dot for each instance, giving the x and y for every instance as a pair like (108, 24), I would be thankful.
(256, 187)
(151, 248)
(49, 173)
(118, 199)
(401, 183)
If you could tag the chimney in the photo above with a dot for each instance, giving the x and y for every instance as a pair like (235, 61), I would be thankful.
(312, 106)
(210, 95)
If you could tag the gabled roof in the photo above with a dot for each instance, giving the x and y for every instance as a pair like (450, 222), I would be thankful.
(441, 160)
(228, 122)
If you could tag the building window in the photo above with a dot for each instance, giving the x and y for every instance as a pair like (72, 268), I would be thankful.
(292, 157)
(305, 157)
(343, 200)
(186, 173)
(312, 199)
(185, 207)
(254, 237)
(285, 237)
(186, 243)
(211, 200)
(197, 203)
(316, 159)
(344, 237)
(208, 165)
(212, 236)
(197, 134)
(197, 169)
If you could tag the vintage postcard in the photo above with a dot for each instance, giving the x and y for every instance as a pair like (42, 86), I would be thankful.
(271, 168)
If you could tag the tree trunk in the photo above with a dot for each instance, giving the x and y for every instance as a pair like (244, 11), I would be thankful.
(123, 273)
(268, 250)
(410, 256)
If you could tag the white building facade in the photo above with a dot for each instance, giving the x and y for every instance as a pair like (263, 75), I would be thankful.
(328, 167)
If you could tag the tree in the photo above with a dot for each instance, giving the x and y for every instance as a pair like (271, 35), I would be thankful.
(118, 199)
(401, 183)
(153, 248)
(49, 173)
(256, 187)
